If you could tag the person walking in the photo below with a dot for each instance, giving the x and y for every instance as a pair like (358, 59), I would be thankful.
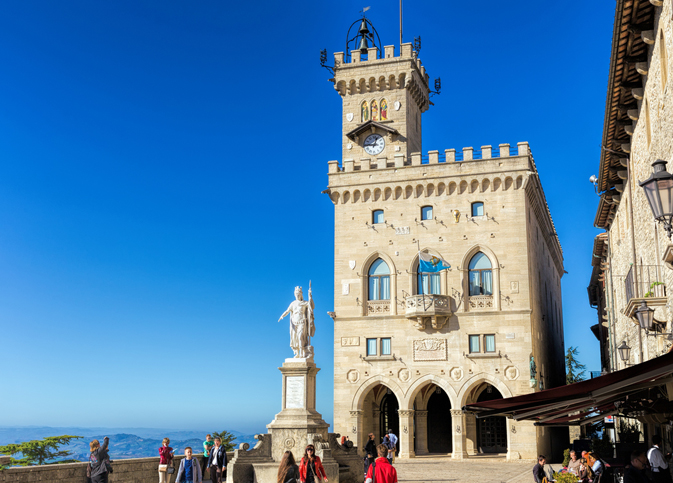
(310, 468)
(217, 462)
(98, 460)
(381, 471)
(207, 446)
(189, 470)
(288, 471)
(370, 452)
(393, 444)
(165, 460)
(658, 463)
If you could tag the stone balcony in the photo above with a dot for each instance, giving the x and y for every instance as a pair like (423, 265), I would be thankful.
(378, 307)
(421, 309)
(480, 302)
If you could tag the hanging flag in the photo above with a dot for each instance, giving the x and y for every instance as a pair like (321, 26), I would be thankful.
(430, 263)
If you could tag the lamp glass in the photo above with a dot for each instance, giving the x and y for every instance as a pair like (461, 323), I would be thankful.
(645, 316)
(624, 351)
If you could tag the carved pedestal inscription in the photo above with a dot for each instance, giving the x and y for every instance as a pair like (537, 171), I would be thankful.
(294, 392)
(430, 350)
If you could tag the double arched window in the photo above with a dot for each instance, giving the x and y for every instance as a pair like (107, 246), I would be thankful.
(480, 275)
(379, 280)
(374, 110)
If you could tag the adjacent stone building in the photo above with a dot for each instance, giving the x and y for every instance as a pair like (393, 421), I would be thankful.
(411, 349)
(632, 258)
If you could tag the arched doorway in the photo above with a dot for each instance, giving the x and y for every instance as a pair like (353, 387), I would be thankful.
(439, 422)
(491, 431)
(389, 418)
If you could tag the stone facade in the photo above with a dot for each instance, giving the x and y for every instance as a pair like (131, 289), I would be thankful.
(424, 365)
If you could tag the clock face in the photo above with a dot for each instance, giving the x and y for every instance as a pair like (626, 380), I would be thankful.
(374, 144)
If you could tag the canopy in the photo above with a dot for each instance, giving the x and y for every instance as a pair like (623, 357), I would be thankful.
(634, 391)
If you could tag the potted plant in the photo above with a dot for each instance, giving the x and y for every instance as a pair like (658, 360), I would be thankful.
(628, 432)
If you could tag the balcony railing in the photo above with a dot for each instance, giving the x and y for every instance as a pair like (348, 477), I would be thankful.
(643, 281)
(378, 307)
(481, 302)
(433, 308)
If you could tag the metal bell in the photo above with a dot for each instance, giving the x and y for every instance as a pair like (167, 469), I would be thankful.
(363, 28)
(364, 46)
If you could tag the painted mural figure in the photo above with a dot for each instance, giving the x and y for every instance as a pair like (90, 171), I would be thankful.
(375, 111)
(384, 110)
(365, 112)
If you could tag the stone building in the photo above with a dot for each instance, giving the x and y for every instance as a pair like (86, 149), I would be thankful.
(631, 259)
(411, 349)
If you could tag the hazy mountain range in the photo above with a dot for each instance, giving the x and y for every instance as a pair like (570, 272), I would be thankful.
(124, 442)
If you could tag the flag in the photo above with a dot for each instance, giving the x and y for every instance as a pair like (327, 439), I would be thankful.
(430, 263)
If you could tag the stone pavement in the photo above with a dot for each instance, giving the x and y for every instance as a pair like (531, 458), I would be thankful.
(474, 470)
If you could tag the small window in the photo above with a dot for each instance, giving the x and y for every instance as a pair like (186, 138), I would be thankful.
(489, 343)
(426, 213)
(478, 209)
(377, 216)
(474, 343)
(371, 347)
(385, 347)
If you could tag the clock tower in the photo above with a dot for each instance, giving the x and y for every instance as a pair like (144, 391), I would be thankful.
(383, 98)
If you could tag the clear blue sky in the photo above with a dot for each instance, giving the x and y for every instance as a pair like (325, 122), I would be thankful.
(160, 198)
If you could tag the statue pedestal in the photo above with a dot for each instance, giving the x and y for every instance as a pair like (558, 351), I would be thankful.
(298, 423)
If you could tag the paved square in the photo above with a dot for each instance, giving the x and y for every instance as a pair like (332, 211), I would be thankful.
(477, 470)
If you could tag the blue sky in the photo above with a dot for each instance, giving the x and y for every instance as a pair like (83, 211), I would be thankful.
(162, 164)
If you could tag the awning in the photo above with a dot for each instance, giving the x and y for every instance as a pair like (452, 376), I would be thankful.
(634, 391)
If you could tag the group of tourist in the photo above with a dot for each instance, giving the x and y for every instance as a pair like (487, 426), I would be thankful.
(214, 459)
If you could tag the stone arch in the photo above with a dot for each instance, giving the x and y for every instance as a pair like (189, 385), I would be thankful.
(495, 271)
(441, 189)
(367, 195)
(398, 192)
(391, 81)
(497, 182)
(372, 84)
(430, 190)
(408, 191)
(335, 197)
(419, 190)
(382, 82)
(485, 184)
(341, 87)
(476, 249)
(478, 379)
(452, 188)
(366, 386)
(387, 193)
(508, 183)
(463, 187)
(362, 87)
(346, 196)
(401, 80)
(422, 382)
(364, 279)
(377, 194)
(474, 186)
(519, 182)
(356, 196)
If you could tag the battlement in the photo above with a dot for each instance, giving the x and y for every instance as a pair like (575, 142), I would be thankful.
(432, 157)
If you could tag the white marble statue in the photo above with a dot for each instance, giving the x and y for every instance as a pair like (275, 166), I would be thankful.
(302, 327)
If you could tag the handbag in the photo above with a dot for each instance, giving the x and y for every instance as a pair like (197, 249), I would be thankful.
(163, 468)
(170, 470)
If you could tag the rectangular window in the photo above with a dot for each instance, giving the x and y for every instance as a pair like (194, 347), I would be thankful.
(474, 343)
(377, 216)
(489, 343)
(371, 347)
(426, 213)
(385, 347)
(478, 209)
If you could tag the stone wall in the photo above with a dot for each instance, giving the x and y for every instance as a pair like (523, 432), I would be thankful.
(134, 470)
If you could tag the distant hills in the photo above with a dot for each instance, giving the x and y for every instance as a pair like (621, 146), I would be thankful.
(124, 442)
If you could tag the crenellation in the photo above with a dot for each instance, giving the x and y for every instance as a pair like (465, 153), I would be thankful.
(415, 159)
(523, 149)
(504, 150)
(467, 154)
(433, 157)
(485, 152)
(389, 51)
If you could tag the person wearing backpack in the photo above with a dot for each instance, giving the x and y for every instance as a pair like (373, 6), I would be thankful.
(381, 471)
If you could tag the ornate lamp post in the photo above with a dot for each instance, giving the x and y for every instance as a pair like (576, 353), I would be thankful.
(624, 351)
(659, 192)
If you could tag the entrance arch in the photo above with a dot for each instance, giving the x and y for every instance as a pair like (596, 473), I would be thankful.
(439, 423)
(491, 432)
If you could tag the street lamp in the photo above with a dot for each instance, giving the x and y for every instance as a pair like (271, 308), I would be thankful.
(659, 192)
(645, 316)
(624, 351)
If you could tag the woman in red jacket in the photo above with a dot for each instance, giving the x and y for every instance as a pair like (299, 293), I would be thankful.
(311, 469)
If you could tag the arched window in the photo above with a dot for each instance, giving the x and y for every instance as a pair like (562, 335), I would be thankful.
(426, 213)
(481, 276)
(379, 280)
(375, 111)
(384, 110)
(377, 217)
(365, 111)
(478, 209)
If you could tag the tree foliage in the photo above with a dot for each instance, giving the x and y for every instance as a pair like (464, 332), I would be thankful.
(226, 439)
(39, 452)
(574, 370)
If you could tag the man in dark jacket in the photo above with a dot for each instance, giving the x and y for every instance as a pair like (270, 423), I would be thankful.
(538, 469)
(635, 472)
(370, 451)
(217, 462)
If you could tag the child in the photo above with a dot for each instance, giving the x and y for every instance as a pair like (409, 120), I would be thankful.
(207, 446)
(189, 470)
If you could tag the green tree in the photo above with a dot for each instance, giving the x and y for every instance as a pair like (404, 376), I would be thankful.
(39, 452)
(226, 439)
(574, 370)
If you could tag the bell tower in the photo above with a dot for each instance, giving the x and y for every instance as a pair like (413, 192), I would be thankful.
(383, 98)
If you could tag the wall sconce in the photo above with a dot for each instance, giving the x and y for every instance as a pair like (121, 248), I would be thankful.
(624, 352)
(659, 193)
